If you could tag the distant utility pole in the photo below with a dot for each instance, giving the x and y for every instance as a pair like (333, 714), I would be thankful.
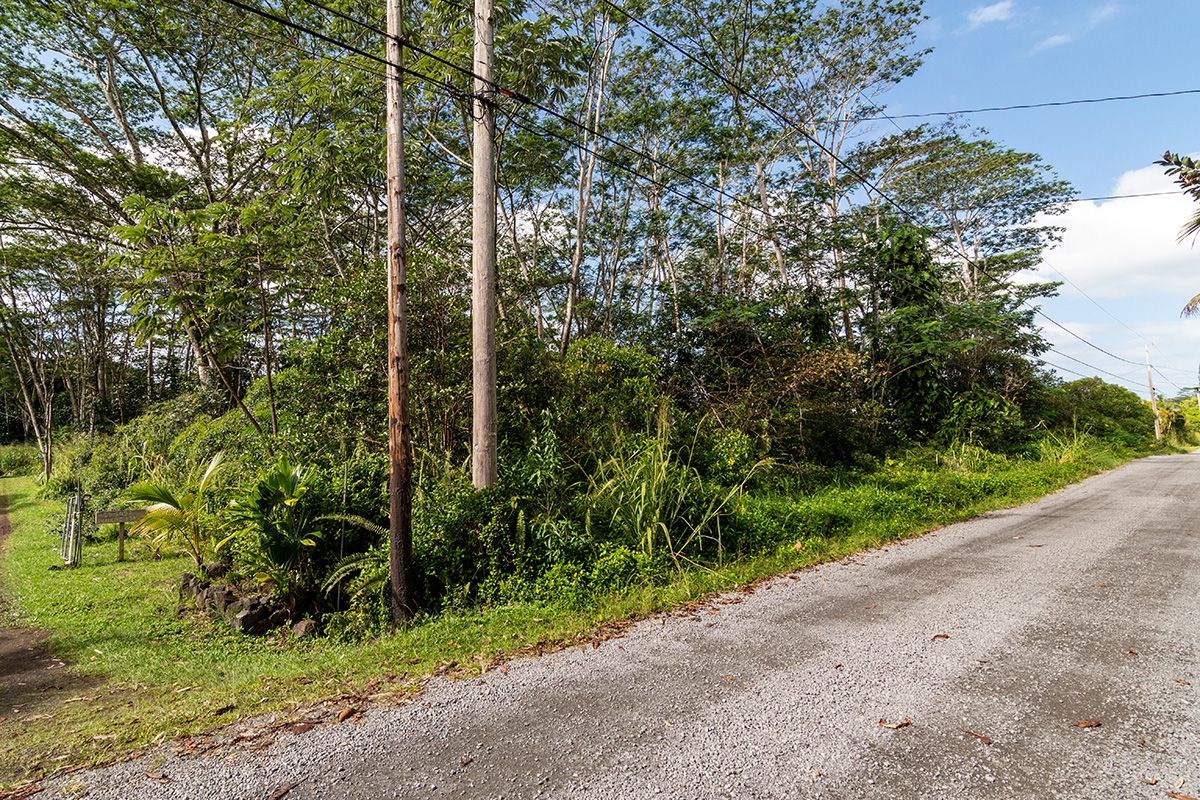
(483, 257)
(399, 431)
(1153, 399)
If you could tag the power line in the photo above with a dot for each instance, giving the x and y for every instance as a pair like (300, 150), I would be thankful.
(1064, 369)
(782, 117)
(1125, 196)
(1165, 378)
(524, 99)
(1051, 104)
(1093, 366)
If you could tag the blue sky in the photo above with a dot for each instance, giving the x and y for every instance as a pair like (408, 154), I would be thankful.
(1123, 254)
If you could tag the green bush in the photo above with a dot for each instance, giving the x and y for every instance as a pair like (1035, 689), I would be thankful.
(19, 459)
(1109, 412)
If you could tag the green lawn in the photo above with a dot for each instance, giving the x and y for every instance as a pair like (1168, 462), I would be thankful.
(148, 673)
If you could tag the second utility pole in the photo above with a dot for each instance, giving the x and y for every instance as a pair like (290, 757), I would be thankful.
(400, 566)
(1153, 399)
(483, 257)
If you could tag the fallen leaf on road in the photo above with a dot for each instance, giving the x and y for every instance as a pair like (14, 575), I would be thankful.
(838, 665)
(1131, 652)
(1099, 585)
(302, 727)
(1036, 545)
(1179, 783)
(350, 711)
(979, 736)
(158, 776)
(904, 723)
(984, 660)
(1087, 723)
(1178, 796)
(1149, 781)
(941, 636)
(817, 773)
(282, 790)
(1018, 537)
(1182, 682)
(465, 760)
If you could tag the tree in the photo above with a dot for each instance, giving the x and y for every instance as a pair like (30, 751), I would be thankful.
(1186, 172)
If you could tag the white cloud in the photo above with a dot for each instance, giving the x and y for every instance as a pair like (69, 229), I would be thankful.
(1126, 257)
(1126, 248)
(1053, 41)
(996, 12)
(1103, 12)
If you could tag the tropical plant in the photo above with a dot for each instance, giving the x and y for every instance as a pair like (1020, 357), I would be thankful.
(658, 501)
(279, 528)
(365, 574)
(179, 513)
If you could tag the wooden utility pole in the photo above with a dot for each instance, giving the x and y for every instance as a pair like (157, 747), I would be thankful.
(1153, 399)
(483, 257)
(399, 431)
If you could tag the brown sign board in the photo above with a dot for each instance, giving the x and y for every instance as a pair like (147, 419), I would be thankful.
(119, 515)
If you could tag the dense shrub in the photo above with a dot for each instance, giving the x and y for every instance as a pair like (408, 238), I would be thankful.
(1109, 412)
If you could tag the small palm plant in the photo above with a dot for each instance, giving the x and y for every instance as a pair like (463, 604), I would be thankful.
(177, 514)
(279, 527)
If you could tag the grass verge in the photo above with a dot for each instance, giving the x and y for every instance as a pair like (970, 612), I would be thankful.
(142, 673)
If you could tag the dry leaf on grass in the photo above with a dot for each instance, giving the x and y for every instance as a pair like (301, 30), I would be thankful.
(1087, 723)
(904, 723)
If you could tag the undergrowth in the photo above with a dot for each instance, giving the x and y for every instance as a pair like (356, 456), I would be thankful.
(142, 672)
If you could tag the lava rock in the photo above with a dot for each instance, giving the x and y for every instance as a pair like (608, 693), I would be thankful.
(304, 628)
(257, 616)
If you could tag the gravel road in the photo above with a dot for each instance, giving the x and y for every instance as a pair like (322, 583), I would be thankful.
(1008, 629)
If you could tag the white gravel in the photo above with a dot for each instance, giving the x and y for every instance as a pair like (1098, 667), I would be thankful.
(782, 695)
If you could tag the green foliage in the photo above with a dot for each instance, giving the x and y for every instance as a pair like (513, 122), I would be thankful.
(275, 529)
(178, 513)
(18, 459)
(651, 499)
(1104, 410)
(984, 418)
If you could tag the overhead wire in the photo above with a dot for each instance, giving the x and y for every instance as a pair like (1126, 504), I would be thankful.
(782, 117)
(526, 100)
(595, 133)
(1114, 375)
(1047, 104)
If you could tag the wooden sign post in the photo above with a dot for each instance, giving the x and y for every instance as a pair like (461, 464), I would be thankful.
(120, 517)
